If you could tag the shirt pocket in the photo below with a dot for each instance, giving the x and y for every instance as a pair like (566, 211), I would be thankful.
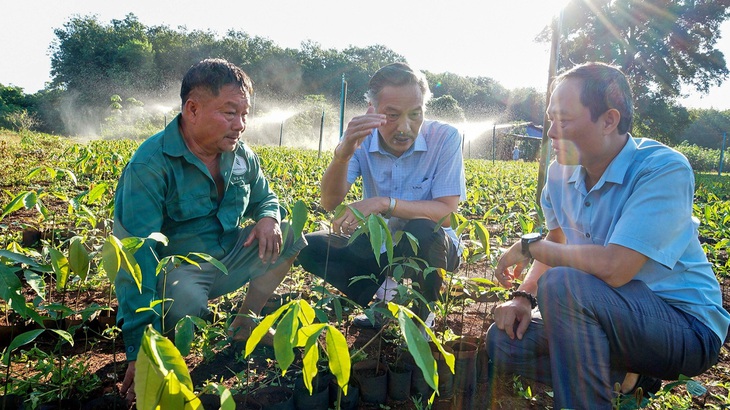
(235, 204)
(189, 208)
(418, 190)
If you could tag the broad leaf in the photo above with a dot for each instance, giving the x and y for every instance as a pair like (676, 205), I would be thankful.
(263, 327)
(78, 258)
(284, 336)
(339, 357)
(20, 340)
(60, 268)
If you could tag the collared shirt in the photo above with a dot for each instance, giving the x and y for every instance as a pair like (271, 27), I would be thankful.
(431, 168)
(643, 202)
(166, 188)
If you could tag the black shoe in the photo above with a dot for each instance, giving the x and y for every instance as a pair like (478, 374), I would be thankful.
(363, 321)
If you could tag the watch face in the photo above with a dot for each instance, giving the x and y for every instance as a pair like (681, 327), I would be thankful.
(530, 236)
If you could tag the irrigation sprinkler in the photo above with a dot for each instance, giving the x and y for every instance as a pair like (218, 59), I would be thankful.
(281, 132)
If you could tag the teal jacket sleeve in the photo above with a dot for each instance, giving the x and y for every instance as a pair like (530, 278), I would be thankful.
(138, 213)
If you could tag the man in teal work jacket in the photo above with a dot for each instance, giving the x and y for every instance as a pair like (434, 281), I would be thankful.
(196, 182)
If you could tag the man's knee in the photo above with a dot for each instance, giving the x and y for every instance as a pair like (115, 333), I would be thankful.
(185, 301)
(497, 345)
(564, 289)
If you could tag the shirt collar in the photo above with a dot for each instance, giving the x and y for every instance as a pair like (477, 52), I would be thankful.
(173, 143)
(616, 170)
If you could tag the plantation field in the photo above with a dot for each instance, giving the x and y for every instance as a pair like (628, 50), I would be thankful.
(56, 207)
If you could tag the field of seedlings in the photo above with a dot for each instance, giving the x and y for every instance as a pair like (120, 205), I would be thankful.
(61, 349)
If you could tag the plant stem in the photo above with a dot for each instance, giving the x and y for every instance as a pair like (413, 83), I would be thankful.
(368, 342)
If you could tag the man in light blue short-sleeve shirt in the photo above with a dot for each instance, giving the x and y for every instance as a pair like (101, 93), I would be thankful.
(620, 290)
(412, 173)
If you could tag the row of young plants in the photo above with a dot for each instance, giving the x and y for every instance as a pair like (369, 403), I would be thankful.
(67, 198)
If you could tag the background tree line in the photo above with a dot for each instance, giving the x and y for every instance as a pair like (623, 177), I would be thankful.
(102, 70)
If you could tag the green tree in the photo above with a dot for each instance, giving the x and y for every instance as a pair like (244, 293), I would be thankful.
(659, 44)
(707, 128)
(13, 105)
(445, 108)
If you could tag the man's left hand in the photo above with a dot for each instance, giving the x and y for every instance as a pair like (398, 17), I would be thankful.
(347, 223)
(513, 257)
(268, 233)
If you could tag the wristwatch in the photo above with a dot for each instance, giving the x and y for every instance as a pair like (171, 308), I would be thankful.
(527, 239)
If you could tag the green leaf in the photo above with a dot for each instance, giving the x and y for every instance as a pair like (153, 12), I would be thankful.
(227, 402)
(283, 338)
(376, 237)
(696, 388)
(163, 356)
(30, 200)
(35, 281)
(299, 218)
(306, 314)
(184, 332)
(483, 235)
(9, 283)
(97, 192)
(78, 258)
(263, 327)
(157, 236)
(16, 203)
(339, 357)
(20, 340)
(64, 335)
(419, 349)
(16, 257)
(70, 175)
(213, 261)
(60, 268)
(111, 258)
(311, 355)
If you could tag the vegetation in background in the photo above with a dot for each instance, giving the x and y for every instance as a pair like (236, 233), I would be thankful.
(660, 44)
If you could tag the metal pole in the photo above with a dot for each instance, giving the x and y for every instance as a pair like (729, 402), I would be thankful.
(281, 132)
(722, 153)
(552, 71)
(494, 142)
(321, 132)
(343, 93)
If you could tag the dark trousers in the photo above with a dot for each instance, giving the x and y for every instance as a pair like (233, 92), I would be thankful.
(587, 335)
(332, 259)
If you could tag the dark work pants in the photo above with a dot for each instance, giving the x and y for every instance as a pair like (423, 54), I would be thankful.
(329, 257)
(587, 335)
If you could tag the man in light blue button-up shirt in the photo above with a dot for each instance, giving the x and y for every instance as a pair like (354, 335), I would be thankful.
(412, 173)
(624, 291)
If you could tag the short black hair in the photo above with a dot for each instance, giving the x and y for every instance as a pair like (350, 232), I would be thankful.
(212, 74)
(604, 87)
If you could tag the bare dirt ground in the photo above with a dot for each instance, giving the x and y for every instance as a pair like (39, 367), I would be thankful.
(105, 358)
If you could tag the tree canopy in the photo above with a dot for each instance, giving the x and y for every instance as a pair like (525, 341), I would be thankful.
(659, 44)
